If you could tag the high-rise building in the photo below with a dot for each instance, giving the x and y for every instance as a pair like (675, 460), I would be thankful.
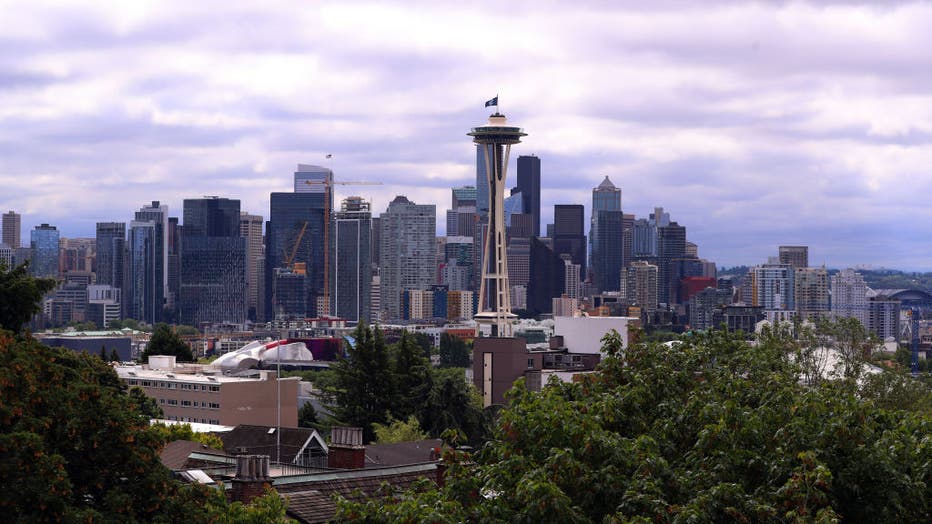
(642, 285)
(606, 237)
(295, 248)
(350, 270)
(627, 239)
(571, 278)
(546, 276)
(810, 292)
(671, 244)
(461, 217)
(772, 286)
(213, 262)
(706, 306)
(568, 234)
(12, 228)
(883, 316)
(76, 254)
(458, 263)
(111, 244)
(528, 184)
(43, 243)
(312, 179)
(407, 251)
(482, 185)
(849, 296)
(148, 304)
(643, 239)
(7, 257)
(250, 228)
(174, 266)
(494, 141)
(795, 256)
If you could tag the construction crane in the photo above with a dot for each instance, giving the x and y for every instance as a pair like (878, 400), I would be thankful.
(328, 194)
(289, 256)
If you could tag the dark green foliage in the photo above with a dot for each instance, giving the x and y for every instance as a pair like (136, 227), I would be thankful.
(454, 353)
(114, 356)
(376, 383)
(164, 341)
(20, 294)
(709, 430)
(71, 438)
(363, 387)
(307, 417)
(411, 376)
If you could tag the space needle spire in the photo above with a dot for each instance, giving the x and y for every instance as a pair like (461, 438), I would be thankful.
(495, 140)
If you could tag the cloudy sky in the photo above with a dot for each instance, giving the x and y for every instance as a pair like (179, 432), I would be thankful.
(753, 124)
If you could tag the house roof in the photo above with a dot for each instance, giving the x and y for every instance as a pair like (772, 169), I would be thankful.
(402, 453)
(311, 500)
(175, 454)
(262, 440)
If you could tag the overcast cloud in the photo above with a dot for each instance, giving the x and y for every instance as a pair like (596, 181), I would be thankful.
(753, 124)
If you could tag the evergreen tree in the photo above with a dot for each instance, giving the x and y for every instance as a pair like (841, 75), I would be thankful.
(20, 295)
(362, 390)
(411, 375)
(164, 341)
(454, 353)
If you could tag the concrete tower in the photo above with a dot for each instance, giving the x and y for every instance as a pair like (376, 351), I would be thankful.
(494, 140)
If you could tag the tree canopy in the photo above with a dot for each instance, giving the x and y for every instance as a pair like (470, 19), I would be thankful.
(376, 383)
(709, 429)
(165, 341)
(20, 295)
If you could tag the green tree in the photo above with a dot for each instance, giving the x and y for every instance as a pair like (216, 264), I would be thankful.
(307, 416)
(362, 388)
(164, 341)
(453, 404)
(173, 432)
(712, 429)
(454, 353)
(398, 431)
(70, 439)
(114, 355)
(20, 294)
(145, 405)
(411, 377)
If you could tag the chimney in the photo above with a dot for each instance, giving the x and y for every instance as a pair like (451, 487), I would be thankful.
(252, 477)
(346, 448)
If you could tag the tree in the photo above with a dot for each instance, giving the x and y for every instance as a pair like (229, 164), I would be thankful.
(114, 355)
(398, 431)
(411, 377)
(453, 404)
(164, 341)
(454, 353)
(307, 416)
(20, 294)
(70, 438)
(709, 430)
(362, 389)
(173, 432)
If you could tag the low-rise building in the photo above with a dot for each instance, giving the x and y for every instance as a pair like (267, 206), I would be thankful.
(196, 393)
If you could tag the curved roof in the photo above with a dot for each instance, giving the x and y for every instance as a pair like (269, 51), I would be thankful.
(254, 353)
(905, 295)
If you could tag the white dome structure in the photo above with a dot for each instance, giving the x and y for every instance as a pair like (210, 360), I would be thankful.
(258, 353)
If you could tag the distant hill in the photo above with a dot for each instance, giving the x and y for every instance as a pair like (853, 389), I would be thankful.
(875, 278)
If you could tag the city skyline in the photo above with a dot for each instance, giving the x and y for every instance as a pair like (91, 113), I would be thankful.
(753, 125)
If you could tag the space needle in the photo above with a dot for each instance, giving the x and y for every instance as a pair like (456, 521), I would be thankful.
(495, 139)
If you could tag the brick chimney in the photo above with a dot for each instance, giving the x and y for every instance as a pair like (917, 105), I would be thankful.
(252, 477)
(346, 449)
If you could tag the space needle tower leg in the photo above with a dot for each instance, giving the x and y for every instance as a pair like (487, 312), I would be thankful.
(495, 140)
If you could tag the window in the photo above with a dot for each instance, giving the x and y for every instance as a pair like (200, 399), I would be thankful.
(146, 383)
(161, 401)
(196, 404)
(214, 389)
(530, 363)
(214, 405)
(186, 403)
(172, 402)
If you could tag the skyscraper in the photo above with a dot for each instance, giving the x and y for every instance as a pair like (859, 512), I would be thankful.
(250, 228)
(568, 234)
(772, 286)
(606, 237)
(407, 251)
(318, 176)
(795, 256)
(213, 262)
(149, 254)
(111, 243)
(43, 243)
(671, 244)
(482, 185)
(529, 186)
(849, 296)
(494, 140)
(12, 228)
(295, 248)
(351, 273)
(641, 285)
(810, 292)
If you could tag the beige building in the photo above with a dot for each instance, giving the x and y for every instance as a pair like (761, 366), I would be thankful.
(196, 393)
(641, 285)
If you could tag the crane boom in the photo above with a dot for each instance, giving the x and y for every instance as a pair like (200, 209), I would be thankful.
(294, 249)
